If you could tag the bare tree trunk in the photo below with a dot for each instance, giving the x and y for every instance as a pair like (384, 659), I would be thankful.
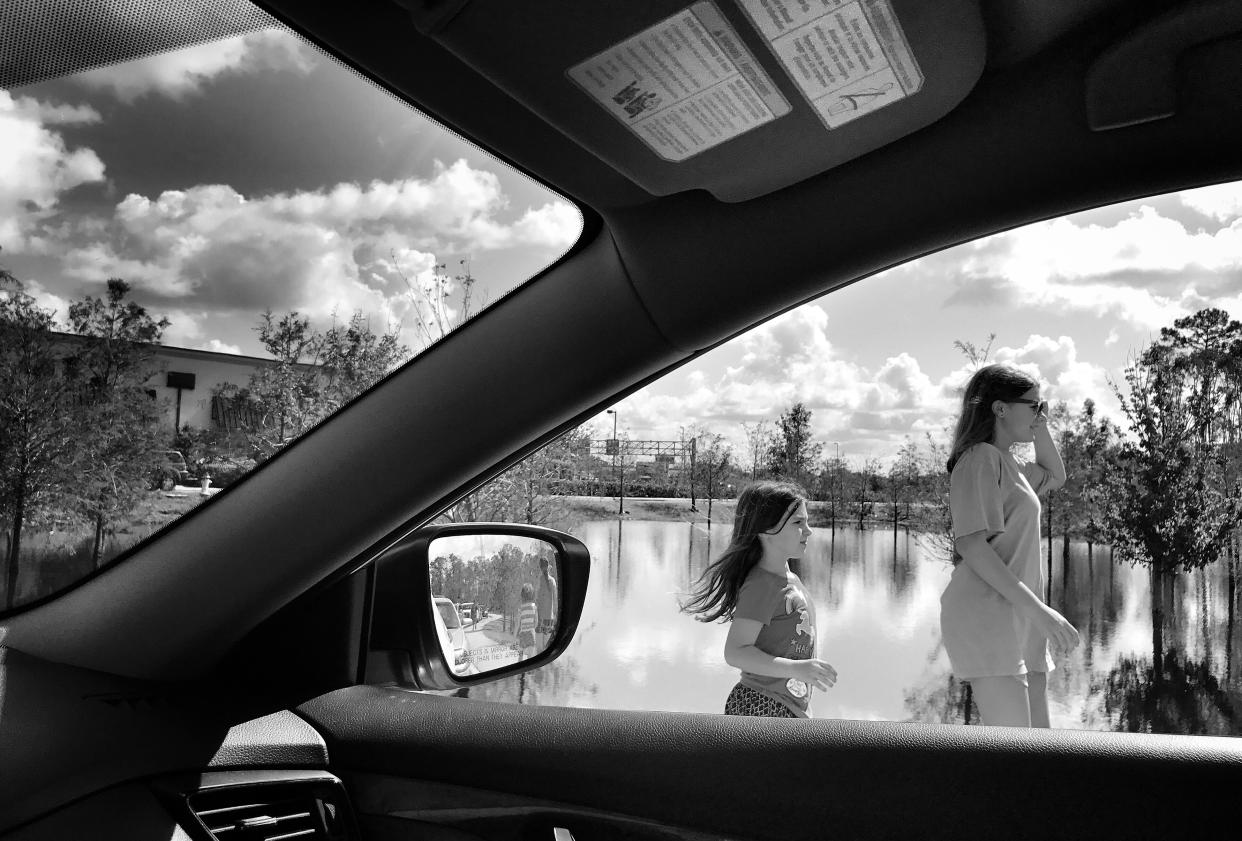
(1231, 559)
(1048, 584)
(15, 549)
(97, 544)
(1157, 624)
(1204, 629)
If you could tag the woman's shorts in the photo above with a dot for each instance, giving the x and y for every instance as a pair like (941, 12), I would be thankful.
(745, 701)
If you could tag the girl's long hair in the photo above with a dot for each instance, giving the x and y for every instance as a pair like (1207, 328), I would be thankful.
(977, 422)
(762, 507)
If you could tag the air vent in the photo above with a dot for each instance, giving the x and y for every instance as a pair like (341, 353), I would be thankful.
(278, 811)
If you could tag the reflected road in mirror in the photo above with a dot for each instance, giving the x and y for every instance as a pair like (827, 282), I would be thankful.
(496, 599)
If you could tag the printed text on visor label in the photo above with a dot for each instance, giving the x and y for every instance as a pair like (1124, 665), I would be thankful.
(684, 85)
(849, 58)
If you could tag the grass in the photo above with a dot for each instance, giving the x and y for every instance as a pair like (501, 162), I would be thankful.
(52, 560)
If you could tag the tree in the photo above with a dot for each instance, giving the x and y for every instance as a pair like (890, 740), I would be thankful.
(116, 420)
(526, 492)
(1167, 505)
(1086, 443)
(433, 299)
(977, 355)
(758, 443)
(791, 452)
(903, 483)
(35, 427)
(352, 357)
(284, 392)
(714, 456)
(861, 496)
(935, 514)
(311, 375)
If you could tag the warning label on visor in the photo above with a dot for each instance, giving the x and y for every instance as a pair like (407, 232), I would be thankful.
(849, 58)
(684, 85)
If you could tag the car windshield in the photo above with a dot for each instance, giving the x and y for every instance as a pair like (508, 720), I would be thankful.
(449, 614)
(206, 252)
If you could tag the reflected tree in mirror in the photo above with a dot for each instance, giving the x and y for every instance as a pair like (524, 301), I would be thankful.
(497, 599)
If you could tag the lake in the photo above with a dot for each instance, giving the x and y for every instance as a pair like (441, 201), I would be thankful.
(878, 601)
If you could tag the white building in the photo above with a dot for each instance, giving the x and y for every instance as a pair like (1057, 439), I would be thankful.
(189, 378)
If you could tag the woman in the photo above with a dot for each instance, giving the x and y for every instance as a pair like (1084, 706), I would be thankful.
(995, 627)
(546, 603)
(771, 617)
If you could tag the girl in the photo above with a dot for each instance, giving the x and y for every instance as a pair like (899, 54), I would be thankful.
(772, 620)
(995, 627)
(528, 621)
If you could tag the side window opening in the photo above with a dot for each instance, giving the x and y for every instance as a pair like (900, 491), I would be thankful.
(1128, 320)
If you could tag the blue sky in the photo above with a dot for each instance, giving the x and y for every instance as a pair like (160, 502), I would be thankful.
(253, 173)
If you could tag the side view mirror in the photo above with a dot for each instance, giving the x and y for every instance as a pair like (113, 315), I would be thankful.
(465, 603)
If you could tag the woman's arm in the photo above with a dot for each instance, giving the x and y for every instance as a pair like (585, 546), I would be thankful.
(1046, 455)
(741, 653)
(982, 559)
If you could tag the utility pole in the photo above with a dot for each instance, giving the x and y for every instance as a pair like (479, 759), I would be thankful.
(616, 449)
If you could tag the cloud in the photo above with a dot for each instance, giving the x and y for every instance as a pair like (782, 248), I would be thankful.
(1144, 268)
(1222, 202)
(182, 73)
(787, 360)
(57, 305)
(869, 410)
(1055, 363)
(332, 251)
(37, 168)
(217, 346)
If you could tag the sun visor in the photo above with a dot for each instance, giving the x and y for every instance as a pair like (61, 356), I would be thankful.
(737, 97)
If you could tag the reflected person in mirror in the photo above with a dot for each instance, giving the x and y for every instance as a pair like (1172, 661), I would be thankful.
(528, 622)
(771, 617)
(996, 628)
(545, 603)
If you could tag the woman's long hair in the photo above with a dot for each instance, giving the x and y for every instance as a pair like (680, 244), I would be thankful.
(762, 508)
(977, 422)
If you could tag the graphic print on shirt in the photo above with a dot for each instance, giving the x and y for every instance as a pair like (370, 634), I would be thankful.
(794, 601)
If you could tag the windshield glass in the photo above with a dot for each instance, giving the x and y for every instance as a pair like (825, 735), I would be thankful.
(206, 252)
(448, 614)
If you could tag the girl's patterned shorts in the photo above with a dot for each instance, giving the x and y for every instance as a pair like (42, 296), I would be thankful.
(745, 701)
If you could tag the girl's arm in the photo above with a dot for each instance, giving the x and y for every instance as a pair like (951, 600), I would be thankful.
(1046, 455)
(982, 559)
(741, 653)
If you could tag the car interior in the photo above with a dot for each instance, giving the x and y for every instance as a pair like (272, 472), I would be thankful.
(269, 651)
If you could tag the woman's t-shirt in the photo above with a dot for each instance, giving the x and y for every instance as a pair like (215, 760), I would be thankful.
(788, 616)
(993, 493)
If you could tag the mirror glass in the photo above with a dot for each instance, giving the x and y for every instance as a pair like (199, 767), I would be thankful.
(496, 599)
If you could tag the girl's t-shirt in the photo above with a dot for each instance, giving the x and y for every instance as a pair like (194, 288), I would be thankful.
(528, 619)
(781, 603)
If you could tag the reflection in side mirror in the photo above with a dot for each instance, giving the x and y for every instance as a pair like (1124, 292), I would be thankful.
(459, 604)
(496, 599)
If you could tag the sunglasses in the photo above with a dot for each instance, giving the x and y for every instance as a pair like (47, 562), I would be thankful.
(1040, 406)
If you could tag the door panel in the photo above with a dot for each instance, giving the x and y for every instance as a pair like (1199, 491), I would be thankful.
(762, 778)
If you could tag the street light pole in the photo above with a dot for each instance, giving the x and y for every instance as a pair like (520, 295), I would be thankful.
(616, 449)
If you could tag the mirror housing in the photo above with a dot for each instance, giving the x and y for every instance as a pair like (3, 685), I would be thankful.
(405, 645)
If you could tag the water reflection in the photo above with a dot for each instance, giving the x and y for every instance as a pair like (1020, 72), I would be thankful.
(878, 595)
